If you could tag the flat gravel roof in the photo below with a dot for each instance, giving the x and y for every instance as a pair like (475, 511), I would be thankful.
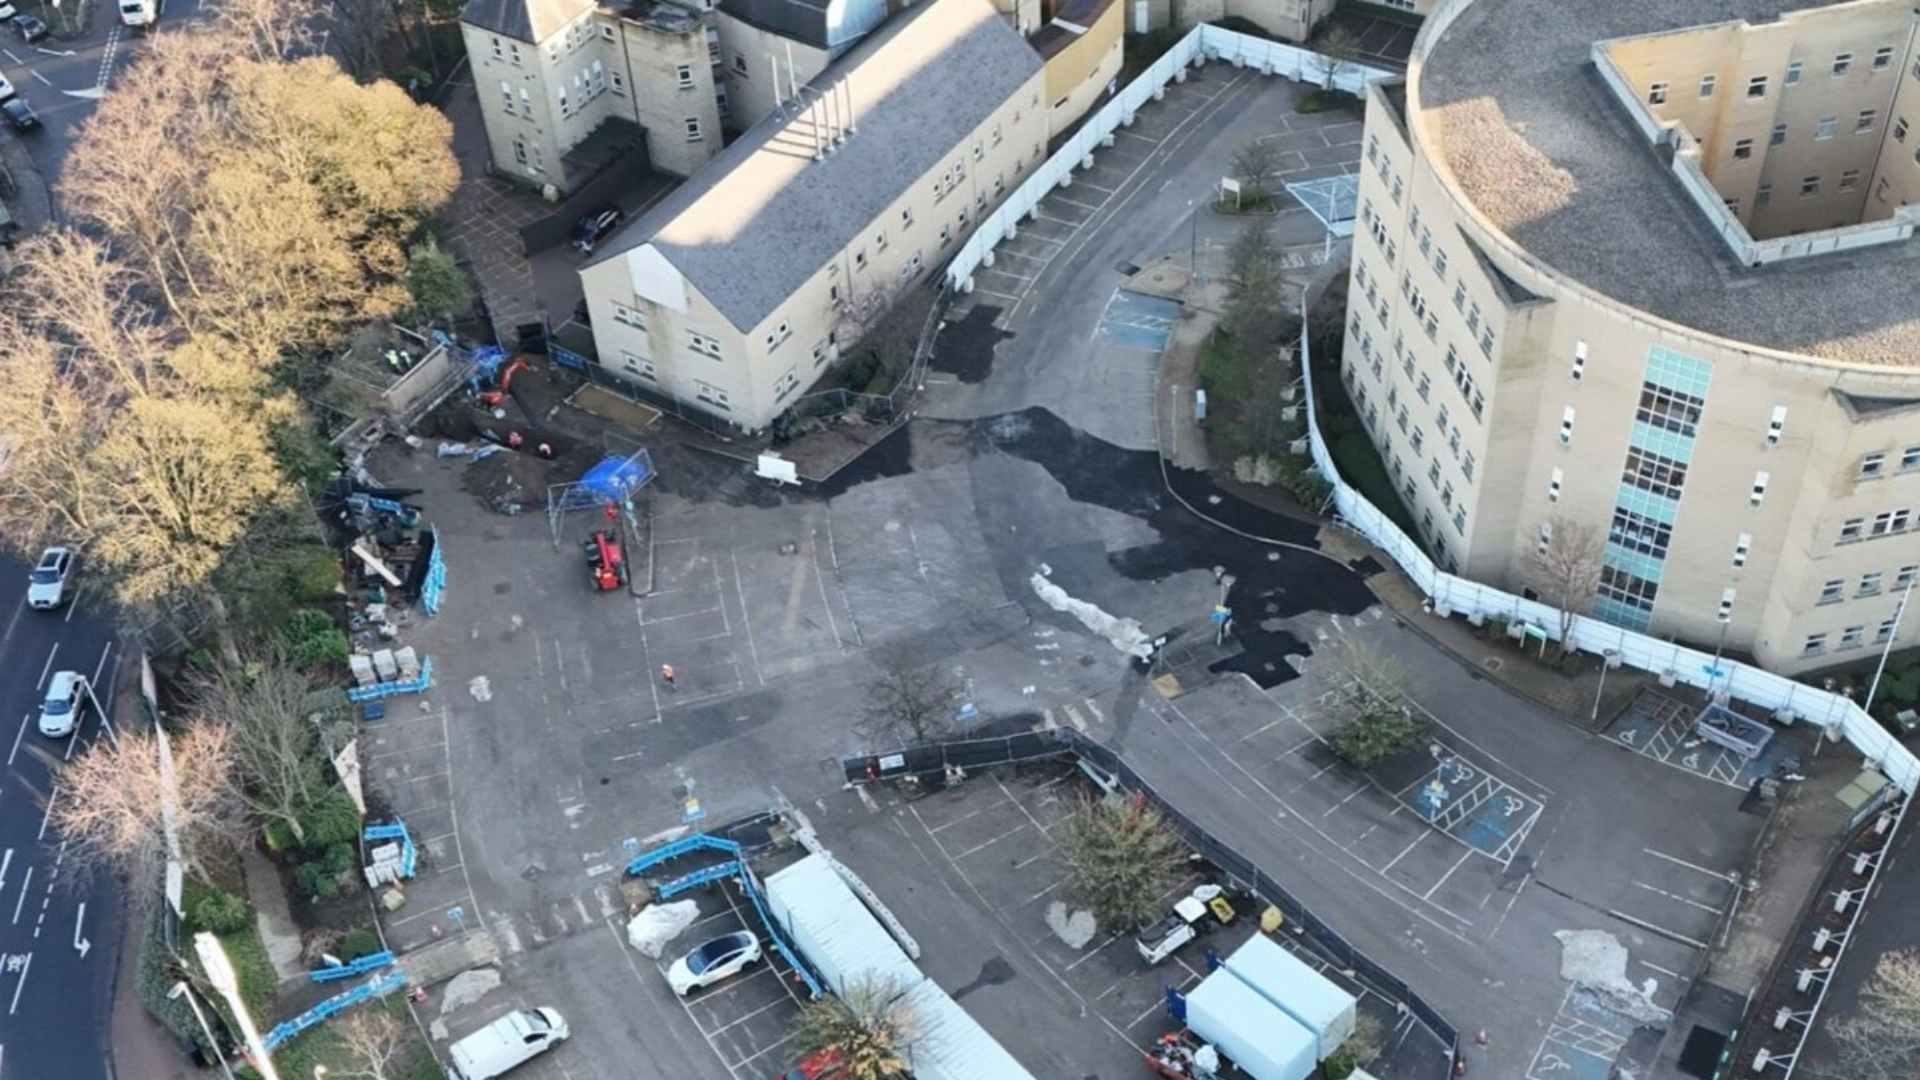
(1545, 152)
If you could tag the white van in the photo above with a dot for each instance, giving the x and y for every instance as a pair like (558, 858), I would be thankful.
(505, 1043)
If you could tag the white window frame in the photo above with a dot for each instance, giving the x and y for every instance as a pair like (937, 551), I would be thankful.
(694, 133)
(629, 316)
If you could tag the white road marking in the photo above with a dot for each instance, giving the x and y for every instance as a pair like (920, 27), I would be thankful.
(1721, 875)
(47, 668)
(21, 903)
(21, 985)
(24, 721)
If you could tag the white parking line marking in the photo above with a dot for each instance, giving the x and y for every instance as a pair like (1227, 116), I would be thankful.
(24, 721)
(1691, 866)
(47, 668)
(1677, 897)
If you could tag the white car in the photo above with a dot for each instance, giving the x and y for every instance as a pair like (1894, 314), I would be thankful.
(6, 88)
(47, 585)
(6, 11)
(511, 1040)
(717, 959)
(60, 713)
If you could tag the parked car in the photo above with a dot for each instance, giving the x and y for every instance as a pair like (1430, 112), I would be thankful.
(29, 28)
(6, 89)
(825, 1065)
(47, 585)
(60, 713)
(6, 10)
(716, 960)
(20, 115)
(512, 1040)
(595, 224)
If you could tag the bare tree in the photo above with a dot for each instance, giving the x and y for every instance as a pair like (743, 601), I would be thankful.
(1255, 160)
(269, 29)
(1119, 859)
(1334, 55)
(107, 803)
(1881, 1039)
(871, 1026)
(376, 1043)
(360, 29)
(274, 713)
(1565, 567)
(882, 323)
(908, 706)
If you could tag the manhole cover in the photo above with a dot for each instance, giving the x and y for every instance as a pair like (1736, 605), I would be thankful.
(502, 588)
(533, 871)
(1128, 268)
(1493, 663)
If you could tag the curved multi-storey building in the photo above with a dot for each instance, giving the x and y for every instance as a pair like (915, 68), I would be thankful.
(1646, 268)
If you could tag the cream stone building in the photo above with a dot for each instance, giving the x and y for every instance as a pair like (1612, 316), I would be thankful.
(731, 295)
(1647, 268)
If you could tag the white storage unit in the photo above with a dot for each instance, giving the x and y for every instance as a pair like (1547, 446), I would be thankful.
(1253, 1032)
(843, 941)
(831, 927)
(1297, 989)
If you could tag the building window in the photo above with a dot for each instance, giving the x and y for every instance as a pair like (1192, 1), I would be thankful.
(712, 395)
(1759, 491)
(1910, 458)
(1707, 83)
(1779, 135)
(1823, 127)
(637, 367)
(520, 151)
(702, 344)
(630, 316)
(1657, 94)
(1566, 424)
(1742, 548)
(1885, 633)
(1842, 63)
(720, 99)
(683, 75)
(1900, 130)
(1726, 604)
(1852, 529)
(1757, 86)
(1850, 180)
(1883, 58)
(1793, 73)
(1762, 195)
(1579, 360)
(694, 133)
(1853, 637)
(1888, 522)
(1814, 645)
(1669, 410)
(619, 83)
(1809, 186)
(777, 335)
(1466, 466)
(1865, 121)
(785, 384)
(946, 235)
(606, 31)
(1742, 149)
(506, 96)
(498, 52)
(1904, 578)
(1655, 473)
(1440, 265)
(740, 66)
(860, 260)
(1553, 486)
(1870, 584)
(906, 218)
(1831, 592)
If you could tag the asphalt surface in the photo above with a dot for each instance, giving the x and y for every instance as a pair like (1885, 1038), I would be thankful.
(58, 933)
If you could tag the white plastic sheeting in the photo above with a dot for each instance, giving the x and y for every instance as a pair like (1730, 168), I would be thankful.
(844, 942)
(1297, 989)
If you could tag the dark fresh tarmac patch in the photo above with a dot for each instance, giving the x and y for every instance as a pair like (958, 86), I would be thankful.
(965, 348)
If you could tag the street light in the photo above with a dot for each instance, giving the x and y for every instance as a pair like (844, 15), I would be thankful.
(213, 959)
(1610, 659)
(193, 1003)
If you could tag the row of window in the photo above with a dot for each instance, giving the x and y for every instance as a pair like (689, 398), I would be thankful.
(1842, 66)
(1871, 584)
(1853, 637)
(1884, 523)
(1874, 465)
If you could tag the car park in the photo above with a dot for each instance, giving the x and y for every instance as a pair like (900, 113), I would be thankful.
(47, 585)
(506, 1043)
(60, 712)
(29, 28)
(594, 225)
(713, 961)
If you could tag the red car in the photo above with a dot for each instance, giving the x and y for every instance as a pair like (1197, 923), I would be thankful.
(825, 1065)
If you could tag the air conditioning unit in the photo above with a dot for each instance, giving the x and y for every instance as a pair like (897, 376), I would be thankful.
(1666, 678)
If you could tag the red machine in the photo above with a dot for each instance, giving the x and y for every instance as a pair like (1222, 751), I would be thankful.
(607, 561)
(501, 383)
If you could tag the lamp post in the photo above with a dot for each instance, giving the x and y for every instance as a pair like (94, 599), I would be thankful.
(213, 960)
(1881, 668)
(213, 1044)
(1608, 661)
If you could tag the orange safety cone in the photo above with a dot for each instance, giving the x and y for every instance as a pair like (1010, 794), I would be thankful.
(1481, 1038)
(1459, 1066)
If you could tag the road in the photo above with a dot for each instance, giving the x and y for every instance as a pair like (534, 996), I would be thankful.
(57, 935)
(63, 77)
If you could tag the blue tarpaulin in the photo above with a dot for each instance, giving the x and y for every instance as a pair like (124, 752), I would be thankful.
(617, 478)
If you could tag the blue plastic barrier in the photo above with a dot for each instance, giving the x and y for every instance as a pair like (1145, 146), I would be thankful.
(376, 987)
(377, 691)
(409, 855)
(370, 962)
(436, 581)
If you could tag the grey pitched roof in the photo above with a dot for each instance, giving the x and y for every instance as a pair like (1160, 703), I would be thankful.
(802, 20)
(531, 21)
(763, 217)
(1548, 159)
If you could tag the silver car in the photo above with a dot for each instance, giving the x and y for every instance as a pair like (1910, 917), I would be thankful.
(60, 713)
(47, 585)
